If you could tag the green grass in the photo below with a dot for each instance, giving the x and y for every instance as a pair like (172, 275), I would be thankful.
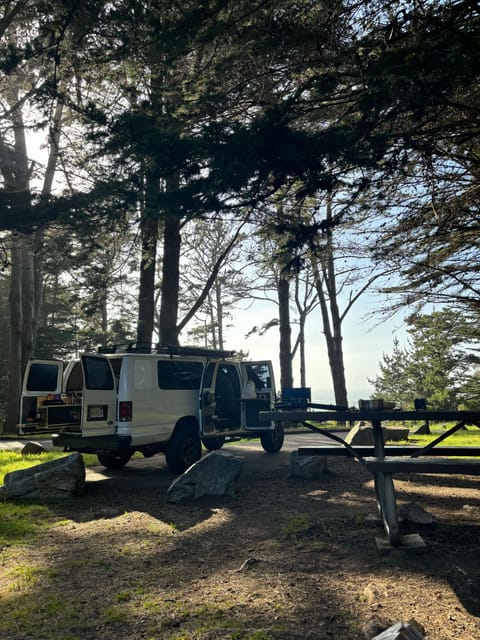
(469, 437)
(20, 523)
(14, 460)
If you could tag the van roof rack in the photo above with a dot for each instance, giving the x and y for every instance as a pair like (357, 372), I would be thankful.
(171, 350)
(174, 350)
(128, 347)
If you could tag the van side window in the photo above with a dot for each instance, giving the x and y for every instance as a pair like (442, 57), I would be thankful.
(176, 374)
(42, 377)
(98, 374)
(142, 374)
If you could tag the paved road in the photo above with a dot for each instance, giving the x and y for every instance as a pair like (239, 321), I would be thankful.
(153, 471)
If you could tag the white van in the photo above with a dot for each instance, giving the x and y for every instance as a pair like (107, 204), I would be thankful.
(131, 398)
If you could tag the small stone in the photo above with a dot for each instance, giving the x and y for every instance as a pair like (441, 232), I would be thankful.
(249, 562)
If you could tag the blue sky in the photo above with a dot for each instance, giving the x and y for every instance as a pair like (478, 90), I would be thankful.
(365, 342)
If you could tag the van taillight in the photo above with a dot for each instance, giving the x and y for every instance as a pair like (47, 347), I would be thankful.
(125, 411)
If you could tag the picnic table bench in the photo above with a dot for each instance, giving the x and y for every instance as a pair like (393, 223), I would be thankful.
(383, 461)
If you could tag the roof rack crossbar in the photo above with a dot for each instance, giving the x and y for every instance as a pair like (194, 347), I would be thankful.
(171, 350)
(177, 350)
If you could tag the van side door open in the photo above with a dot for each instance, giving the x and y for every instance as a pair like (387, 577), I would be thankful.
(220, 399)
(258, 393)
(99, 416)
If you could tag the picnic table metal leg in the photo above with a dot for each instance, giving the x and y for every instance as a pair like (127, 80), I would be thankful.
(385, 491)
(387, 506)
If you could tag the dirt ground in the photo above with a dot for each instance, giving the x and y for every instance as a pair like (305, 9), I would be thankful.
(284, 559)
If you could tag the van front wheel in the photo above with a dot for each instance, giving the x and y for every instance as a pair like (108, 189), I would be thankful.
(183, 450)
(212, 444)
(114, 459)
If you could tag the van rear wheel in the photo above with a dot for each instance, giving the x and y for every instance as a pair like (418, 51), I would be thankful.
(272, 441)
(183, 450)
(114, 459)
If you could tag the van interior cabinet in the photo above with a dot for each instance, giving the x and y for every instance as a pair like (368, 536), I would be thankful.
(58, 415)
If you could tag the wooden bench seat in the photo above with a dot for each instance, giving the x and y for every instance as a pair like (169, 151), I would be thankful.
(422, 465)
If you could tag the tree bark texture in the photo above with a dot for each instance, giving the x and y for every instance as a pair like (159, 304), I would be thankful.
(148, 260)
(168, 329)
(286, 375)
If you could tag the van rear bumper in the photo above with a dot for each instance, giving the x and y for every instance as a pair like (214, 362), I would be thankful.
(91, 444)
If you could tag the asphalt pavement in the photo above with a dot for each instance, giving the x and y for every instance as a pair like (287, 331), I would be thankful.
(153, 471)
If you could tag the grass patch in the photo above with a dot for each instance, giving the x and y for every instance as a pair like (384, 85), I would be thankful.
(469, 437)
(14, 460)
(20, 523)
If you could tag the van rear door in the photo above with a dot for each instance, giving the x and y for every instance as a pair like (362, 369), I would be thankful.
(42, 377)
(42, 382)
(99, 397)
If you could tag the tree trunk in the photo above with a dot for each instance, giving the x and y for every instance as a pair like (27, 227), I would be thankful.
(15, 338)
(333, 334)
(286, 376)
(168, 329)
(219, 318)
(148, 261)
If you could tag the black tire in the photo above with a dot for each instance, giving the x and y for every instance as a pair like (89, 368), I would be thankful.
(212, 444)
(114, 459)
(272, 441)
(183, 449)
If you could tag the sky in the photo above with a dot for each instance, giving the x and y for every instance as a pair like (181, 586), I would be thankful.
(365, 340)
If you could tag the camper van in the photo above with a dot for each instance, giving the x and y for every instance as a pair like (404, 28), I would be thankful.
(129, 398)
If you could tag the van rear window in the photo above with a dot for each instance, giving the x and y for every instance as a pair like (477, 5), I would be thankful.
(176, 374)
(98, 374)
(42, 377)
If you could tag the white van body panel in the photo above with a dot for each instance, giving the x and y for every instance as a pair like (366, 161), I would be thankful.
(168, 400)
(155, 409)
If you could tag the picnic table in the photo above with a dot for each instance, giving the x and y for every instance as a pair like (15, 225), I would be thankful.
(383, 461)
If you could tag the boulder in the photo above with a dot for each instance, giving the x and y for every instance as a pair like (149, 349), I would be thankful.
(60, 478)
(33, 448)
(414, 513)
(307, 467)
(362, 434)
(213, 475)
(422, 430)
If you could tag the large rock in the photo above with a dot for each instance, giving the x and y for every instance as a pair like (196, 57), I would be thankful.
(60, 478)
(307, 467)
(214, 475)
(362, 434)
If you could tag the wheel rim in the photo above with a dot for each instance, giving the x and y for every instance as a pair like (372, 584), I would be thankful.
(190, 451)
